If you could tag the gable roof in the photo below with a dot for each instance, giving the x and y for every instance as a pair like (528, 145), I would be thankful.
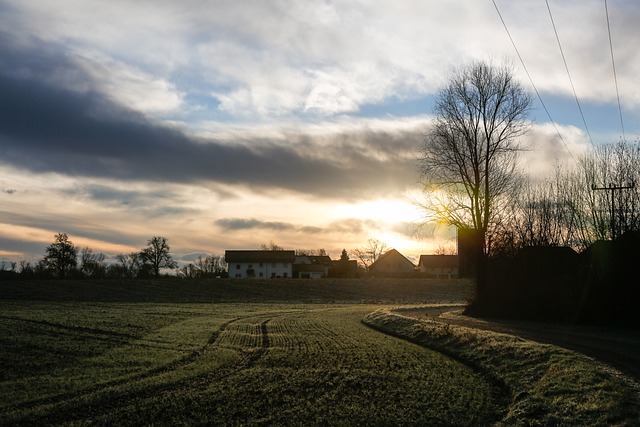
(390, 255)
(259, 256)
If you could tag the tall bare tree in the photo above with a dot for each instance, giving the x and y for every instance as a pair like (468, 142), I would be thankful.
(157, 255)
(468, 162)
(92, 264)
(131, 264)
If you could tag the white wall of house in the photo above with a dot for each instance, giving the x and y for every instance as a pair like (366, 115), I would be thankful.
(260, 270)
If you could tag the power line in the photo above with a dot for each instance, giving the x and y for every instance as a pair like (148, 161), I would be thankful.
(613, 62)
(532, 83)
(575, 95)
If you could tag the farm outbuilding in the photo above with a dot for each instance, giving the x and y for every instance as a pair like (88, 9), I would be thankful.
(392, 263)
(311, 266)
(439, 266)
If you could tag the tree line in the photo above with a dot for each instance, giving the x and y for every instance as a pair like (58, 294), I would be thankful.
(63, 259)
(519, 228)
(471, 176)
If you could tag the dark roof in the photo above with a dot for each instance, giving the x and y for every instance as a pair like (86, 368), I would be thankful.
(259, 256)
(438, 261)
(314, 259)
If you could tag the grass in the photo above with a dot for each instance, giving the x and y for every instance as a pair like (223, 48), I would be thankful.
(173, 290)
(547, 385)
(279, 352)
(224, 364)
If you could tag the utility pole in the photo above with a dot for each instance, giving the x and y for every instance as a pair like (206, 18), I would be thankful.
(613, 188)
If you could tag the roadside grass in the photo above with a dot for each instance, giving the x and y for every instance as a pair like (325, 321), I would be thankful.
(547, 385)
(80, 363)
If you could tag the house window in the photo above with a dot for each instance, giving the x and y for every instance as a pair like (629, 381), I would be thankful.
(261, 265)
(237, 266)
(261, 274)
(285, 264)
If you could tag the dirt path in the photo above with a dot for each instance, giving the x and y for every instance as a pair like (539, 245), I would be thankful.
(614, 347)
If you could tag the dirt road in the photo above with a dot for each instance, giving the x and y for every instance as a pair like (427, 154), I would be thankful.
(615, 347)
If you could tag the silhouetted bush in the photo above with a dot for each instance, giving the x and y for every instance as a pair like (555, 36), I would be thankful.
(597, 286)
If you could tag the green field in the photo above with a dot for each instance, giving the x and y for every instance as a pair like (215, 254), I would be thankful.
(217, 362)
(232, 352)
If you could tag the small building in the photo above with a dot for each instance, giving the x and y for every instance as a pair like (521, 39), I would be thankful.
(259, 264)
(311, 266)
(439, 266)
(392, 263)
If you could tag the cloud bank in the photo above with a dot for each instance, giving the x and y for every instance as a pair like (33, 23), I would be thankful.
(236, 123)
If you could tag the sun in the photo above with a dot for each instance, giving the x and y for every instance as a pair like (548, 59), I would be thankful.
(389, 220)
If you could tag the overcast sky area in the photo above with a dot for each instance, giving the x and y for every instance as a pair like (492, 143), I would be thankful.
(230, 124)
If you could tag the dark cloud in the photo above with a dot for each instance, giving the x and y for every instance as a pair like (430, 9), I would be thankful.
(23, 246)
(153, 203)
(348, 225)
(46, 127)
(9, 191)
(72, 226)
(352, 226)
(252, 223)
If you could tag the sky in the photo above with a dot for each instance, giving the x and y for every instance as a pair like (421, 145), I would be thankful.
(231, 124)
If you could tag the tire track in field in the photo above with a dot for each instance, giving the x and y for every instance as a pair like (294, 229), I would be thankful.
(108, 335)
(246, 358)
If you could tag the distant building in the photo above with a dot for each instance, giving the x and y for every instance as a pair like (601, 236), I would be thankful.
(392, 263)
(439, 266)
(260, 264)
(311, 266)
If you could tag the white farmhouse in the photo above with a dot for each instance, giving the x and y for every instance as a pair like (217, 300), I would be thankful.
(259, 264)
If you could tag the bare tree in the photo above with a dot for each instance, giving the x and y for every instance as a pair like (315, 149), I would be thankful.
(157, 255)
(469, 157)
(445, 250)
(311, 252)
(544, 213)
(468, 162)
(370, 253)
(131, 264)
(210, 266)
(271, 246)
(92, 264)
(614, 169)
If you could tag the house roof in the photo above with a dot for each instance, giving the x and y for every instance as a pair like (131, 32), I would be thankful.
(323, 260)
(259, 256)
(438, 261)
(388, 255)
